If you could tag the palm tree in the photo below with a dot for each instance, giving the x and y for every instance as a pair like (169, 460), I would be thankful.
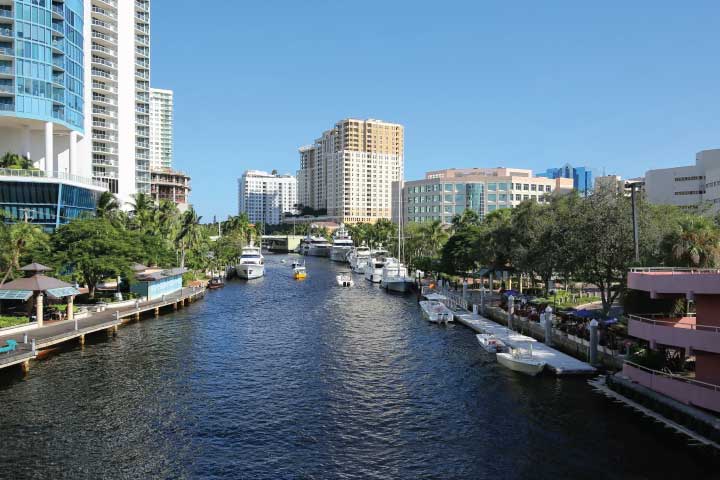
(143, 212)
(190, 234)
(434, 237)
(696, 243)
(168, 219)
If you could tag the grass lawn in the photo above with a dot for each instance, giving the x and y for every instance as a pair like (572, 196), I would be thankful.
(565, 300)
(12, 321)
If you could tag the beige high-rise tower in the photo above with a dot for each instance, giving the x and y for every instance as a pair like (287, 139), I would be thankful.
(350, 169)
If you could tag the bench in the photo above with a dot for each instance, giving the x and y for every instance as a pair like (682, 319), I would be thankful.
(11, 345)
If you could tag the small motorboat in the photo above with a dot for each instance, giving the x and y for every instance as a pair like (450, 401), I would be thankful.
(436, 312)
(490, 343)
(344, 280)
(296, 263)
(521, 360)
(215, 282)
(299, 272)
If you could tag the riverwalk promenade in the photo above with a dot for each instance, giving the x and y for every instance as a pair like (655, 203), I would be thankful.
(31, 342)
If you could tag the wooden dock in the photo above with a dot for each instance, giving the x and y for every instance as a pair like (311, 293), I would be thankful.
(558, 362)
(33, 341)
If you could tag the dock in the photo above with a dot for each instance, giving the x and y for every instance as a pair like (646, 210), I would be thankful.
(558, 362)
(31, 342)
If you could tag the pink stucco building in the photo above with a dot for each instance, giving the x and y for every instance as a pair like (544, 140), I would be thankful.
(698, 334)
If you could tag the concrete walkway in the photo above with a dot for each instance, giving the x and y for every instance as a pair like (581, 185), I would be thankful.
(59, 332)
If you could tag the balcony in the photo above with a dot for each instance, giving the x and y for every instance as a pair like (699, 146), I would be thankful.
(7, 107)
(700, 281)
(111, 27)
(7, 88)
(6, 13)
(11, 172)
(58, 9)
(682, 332)
(6, 31)
(682, 389)
(104, 12)
(7, 51)
(96, 47)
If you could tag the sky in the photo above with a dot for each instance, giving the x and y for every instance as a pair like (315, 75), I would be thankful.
(619, 86)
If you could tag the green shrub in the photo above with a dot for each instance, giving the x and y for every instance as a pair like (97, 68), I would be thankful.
(6, 321)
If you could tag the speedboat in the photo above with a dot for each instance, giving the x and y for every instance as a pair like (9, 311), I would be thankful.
(490, 343)
(216, 282)
(395, 277)
(299, 272)
(341, 245)
(436, 312)
(316, 246)
(344, 280)
(296, 263)
(358, 257)
(252, 263)
(521, 360)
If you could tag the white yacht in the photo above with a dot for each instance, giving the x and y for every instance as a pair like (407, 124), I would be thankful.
(395, 277)
(374, 268)
(316, 246)
(358, 258)
(341, 245)
(252, 263)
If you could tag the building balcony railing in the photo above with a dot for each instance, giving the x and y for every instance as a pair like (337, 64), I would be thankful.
(96, 47)
(6, 69)
(7, 88)
(7, 107)
(103, 36)
(106, 25)
(58, 8)
(6, 13)
(698, 281)
(104, 11)
(682, 389)
(6, 31)
(7, 51)
(681, 332)
(16, 173)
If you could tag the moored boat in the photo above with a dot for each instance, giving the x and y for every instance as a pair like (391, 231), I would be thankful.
(252, 263)
(521, 360)
(436, 312)
(315, 246)
(215, 283)
(358, 257)
(395, 277)
(341, 245)
(490, 343)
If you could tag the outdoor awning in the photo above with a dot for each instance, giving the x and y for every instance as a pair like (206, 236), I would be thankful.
(63, 292)
(15, 294)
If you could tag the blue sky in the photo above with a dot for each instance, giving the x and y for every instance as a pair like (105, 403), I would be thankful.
(616, 85)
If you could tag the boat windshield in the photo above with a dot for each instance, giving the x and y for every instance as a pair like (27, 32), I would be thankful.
(250, 256)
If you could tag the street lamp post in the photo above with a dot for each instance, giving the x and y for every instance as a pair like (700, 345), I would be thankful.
(636, 229)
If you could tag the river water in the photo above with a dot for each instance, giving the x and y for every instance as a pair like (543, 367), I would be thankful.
(278, 378)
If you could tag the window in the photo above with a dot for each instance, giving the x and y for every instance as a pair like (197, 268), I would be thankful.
(492, 187)
(547, 188)
(492, 197)
(533, 187)
(448, 187)
(502, 186)
(526, 186)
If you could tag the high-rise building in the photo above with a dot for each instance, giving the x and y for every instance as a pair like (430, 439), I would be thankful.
(582, 177)
(119, 68)
(348, 172)
(264, 197)
(687, 186)
(442, 194)
(161, 128)
(43, 86)
(172, 185)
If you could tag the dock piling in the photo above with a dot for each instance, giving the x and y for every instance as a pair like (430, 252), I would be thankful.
(548, 326)
(593, 360)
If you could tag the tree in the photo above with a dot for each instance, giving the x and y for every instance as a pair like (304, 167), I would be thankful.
(143, 213)
(600, 242)
(18, 238)
(694, 243)
(93, 249)
(190, 235)
(15, 161)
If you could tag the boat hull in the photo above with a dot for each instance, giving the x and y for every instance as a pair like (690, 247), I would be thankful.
(339, 254)
(250, 271)
(527, 366)
(489, 343)
(400, 286)
(318, 252)
(374, 275)
(435, 313)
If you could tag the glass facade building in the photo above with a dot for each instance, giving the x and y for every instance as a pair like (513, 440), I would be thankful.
(582, 177)
(442, 201)
(47, 204)
(41, 61)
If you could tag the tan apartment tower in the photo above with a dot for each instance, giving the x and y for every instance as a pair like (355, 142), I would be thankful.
(349, 171)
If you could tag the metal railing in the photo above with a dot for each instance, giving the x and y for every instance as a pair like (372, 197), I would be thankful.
(679, 378)
(11, 172)
(670, 323)
(674, 270)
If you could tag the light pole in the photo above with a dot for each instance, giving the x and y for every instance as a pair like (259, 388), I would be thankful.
(636, 229)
